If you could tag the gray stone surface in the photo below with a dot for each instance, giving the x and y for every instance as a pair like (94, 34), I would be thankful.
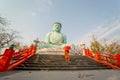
(54, 51)
(61, 75)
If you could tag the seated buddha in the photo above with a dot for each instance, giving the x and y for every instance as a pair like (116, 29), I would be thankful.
(55, 39)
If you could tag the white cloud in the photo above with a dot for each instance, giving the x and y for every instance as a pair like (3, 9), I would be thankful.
(109, 30)
(44, 5)
(102, 31)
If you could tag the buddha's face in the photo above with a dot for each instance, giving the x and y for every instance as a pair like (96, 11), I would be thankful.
(56, 27)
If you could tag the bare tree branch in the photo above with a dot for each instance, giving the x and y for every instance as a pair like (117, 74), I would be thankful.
(7, 36)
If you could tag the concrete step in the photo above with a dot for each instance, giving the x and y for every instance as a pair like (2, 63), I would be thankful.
(57, 62)
(61, 68)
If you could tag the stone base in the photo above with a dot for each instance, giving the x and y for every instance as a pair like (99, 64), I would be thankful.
(54, 51)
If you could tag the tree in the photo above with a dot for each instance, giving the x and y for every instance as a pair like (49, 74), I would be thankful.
(112, 47)
(95, 45)
(3, 21)
(7, 35)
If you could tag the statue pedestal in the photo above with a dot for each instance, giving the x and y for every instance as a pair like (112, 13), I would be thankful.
(54, 51)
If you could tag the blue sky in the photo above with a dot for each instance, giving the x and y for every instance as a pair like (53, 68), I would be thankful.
(79, 18)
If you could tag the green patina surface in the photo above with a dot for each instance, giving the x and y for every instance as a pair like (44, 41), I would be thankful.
(55, 38)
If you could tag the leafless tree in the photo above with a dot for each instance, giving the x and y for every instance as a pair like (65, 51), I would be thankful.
(78, 49)
(7, 35)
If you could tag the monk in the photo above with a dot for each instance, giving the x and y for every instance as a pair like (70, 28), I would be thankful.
(66, 51)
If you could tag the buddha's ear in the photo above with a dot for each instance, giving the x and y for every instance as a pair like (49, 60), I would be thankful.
(60, 26)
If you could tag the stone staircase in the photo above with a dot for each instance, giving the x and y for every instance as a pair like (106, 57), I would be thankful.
(57, 62)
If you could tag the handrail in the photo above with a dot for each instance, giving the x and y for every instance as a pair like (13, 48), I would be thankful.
(111, 60)
(16, 58)
(5, 59)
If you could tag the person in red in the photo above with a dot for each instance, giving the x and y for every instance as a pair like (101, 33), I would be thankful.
(66, 51)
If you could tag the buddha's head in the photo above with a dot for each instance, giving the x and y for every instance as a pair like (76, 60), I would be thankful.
(57, 26)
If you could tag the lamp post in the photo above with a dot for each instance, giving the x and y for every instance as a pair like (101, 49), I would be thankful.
(36, 41)
(82, 45)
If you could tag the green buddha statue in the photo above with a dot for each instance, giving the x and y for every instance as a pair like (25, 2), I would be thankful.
(55, 39)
